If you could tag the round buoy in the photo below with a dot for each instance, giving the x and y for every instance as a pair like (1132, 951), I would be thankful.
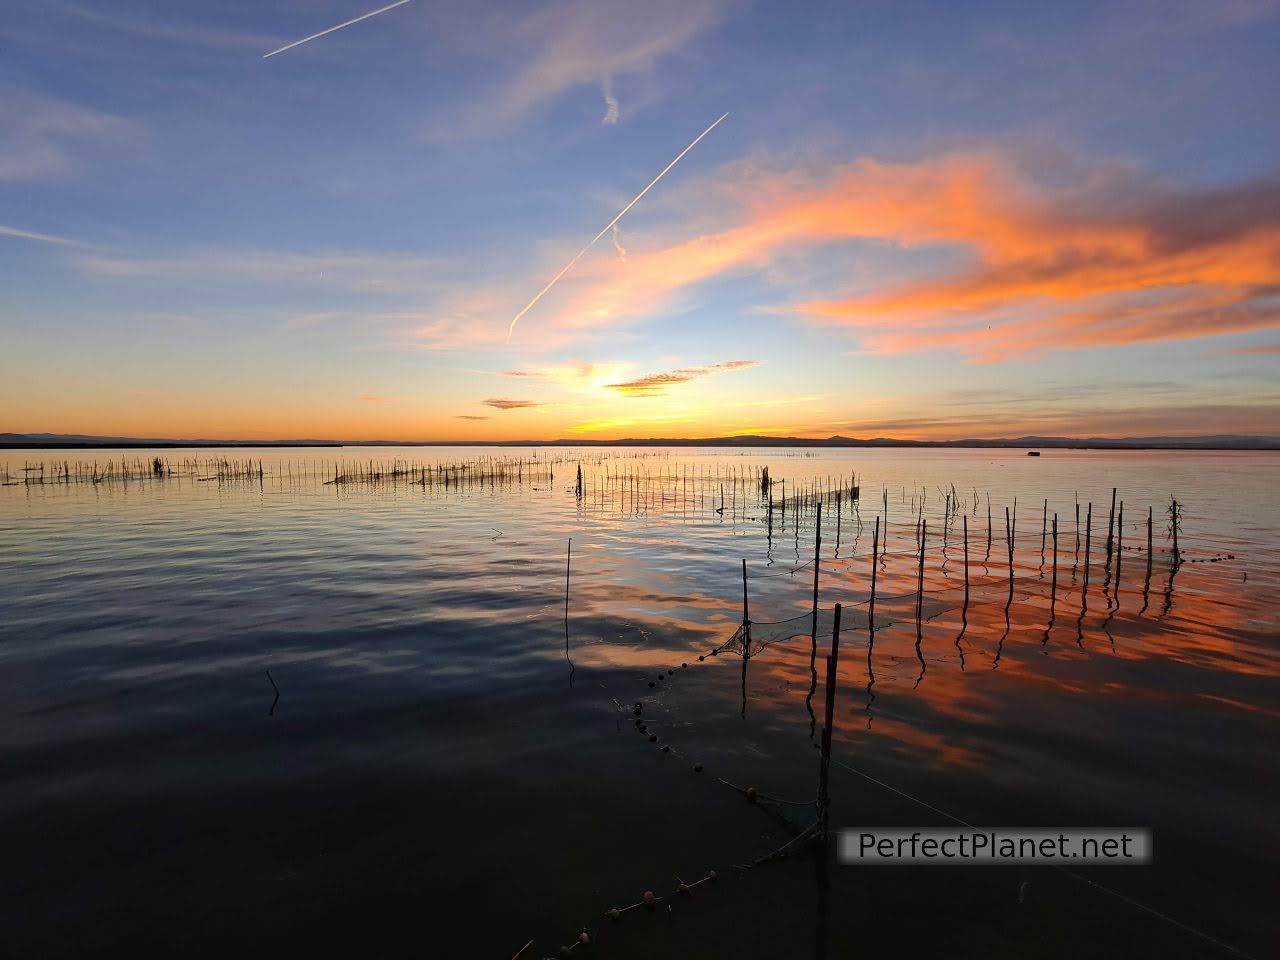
(666, 748)
(697, 768)
(751, 794)
(711, 874)
(613, 913)
(683, 888)
(653, 738)
(566, 951)
(650, 683)
(649, 899)
(683, 666)
(713, 653)
(701, 658)
(584, 938)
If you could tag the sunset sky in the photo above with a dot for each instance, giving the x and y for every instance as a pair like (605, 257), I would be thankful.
(921, 220)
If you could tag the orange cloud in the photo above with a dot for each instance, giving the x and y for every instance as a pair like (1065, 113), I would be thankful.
(1116, 261)
(656, 384)
(510, 404)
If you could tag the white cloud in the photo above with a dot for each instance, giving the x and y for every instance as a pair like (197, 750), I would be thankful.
(347, 270)
(17, 234)
(43, 137)
(572, 43)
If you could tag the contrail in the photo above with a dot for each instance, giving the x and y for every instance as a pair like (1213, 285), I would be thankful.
(609, 226)
(364, 16)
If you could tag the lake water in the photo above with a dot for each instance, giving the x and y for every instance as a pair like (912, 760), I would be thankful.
(448, 771)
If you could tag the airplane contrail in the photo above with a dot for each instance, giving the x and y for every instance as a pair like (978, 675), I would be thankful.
(609, 226)
(364, 16)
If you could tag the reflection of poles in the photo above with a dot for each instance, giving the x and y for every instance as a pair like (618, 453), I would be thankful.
(871, 605)
(817, 552)
(1008, 534)
(924, 528)
(964, 609)
(924, 532)
(746, 637)
(871, 621)
(1054, 590)
(1084, 590)
(824, 769)
(1053, 584)
(1044, 522)
(568, 557)
(988, 554)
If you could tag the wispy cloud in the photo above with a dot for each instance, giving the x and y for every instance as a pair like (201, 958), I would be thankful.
(17, 234)
(470, 416)
(167, 31)
(610, 104)
(563, 45)
(349, 270)
(656, 384)
(45, 138)
(510, 404)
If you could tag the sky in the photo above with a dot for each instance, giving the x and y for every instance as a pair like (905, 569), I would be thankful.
(918, 220)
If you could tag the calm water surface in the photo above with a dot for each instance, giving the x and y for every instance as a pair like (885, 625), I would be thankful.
(444, 773)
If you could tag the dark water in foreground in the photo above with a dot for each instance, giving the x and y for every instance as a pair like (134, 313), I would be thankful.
(438, 779)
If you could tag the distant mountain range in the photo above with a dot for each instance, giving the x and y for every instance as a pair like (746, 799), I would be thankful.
(50, 441)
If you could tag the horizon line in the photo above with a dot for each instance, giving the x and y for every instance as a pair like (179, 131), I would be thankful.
(18, 441)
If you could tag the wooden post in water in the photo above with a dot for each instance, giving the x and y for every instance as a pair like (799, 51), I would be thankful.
(1088, 536)
(871, 604)
(1148, 542)
(1044, 520)
(817, 551)
(988, 554)
(1119, 543)
(966, 564)
(1054, 587)
(1110, 534)
(924, 528)
(1008, 534)
(824, 770)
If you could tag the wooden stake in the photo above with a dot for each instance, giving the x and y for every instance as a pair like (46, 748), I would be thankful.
(871, 605)
(817, 552)
(824, 770)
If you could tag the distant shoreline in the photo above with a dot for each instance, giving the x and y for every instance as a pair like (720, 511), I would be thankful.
(742, 443)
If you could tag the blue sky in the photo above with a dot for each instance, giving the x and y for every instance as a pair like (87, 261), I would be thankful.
(918, 219)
